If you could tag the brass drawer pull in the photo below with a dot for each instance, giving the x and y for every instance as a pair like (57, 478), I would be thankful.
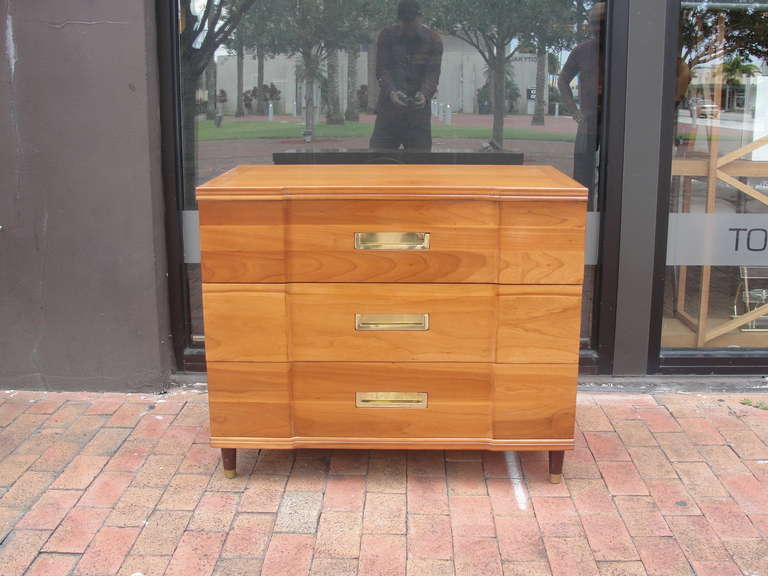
(392, 322)
(392, 241)
(391, 399)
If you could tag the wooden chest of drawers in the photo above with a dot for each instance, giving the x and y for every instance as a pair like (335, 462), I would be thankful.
(405, 307)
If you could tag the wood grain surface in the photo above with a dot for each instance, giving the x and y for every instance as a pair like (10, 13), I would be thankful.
(471, 241)
(458, 401)
(392, 443)
(534, 400)
(500, 282)
(542, 243)
(539, 324)
(245, 322)
(465, 400)
(243, 241)
(390, 181)
(249, 399)
(462, 322)
(467, 323)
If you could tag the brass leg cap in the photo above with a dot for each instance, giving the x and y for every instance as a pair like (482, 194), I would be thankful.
(555, 478)
(230, 474)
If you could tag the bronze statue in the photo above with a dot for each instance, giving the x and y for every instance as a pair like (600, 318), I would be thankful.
(408, 60)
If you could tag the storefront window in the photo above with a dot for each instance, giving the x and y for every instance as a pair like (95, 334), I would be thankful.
(716, 291)
(372, 81)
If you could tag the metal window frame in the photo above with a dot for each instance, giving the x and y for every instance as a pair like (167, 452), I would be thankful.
(187, 356)
(605, 299)
(683, 360)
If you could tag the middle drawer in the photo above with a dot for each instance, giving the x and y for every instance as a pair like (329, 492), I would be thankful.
(391, 323)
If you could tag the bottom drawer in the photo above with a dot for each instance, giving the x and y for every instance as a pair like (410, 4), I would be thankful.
(457, 400)
(368, 401)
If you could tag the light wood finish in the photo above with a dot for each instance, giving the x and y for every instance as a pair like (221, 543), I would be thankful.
(465, 400)
(525, 242)
(542, 243)
(458, 399)
(249, 399)
(467, 323)
(242, 241)
(743, 151)
(539, 324)
(469, 343)
(394, 443)
(245, 322)
(461, 322)
(534, 400)
(325, 182)
(463, 241)
(746, 189)
(738, 168)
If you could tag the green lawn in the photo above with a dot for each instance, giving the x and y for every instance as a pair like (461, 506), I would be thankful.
(243, 130)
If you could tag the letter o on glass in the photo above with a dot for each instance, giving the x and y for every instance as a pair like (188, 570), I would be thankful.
(761, 240)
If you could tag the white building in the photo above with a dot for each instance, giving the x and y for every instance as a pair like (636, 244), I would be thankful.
(463, 73)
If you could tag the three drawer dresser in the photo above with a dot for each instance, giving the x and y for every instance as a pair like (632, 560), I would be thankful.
(392, 307)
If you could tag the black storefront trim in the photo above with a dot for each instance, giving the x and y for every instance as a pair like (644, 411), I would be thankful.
(665, 183)
(611, 177)
(714, 361)
(171, 166)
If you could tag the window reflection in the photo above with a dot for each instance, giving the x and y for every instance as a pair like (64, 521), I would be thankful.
(717, 285)
(584, 63)
(408, 60)
(443, 81)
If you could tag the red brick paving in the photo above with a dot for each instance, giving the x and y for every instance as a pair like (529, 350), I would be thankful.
(117, 484)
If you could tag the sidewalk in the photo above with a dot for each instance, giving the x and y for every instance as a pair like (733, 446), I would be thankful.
(98, 484)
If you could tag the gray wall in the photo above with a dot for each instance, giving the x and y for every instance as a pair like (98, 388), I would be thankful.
(640, 190)
(83, 301)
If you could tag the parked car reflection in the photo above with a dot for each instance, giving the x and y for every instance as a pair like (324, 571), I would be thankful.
(706, 109)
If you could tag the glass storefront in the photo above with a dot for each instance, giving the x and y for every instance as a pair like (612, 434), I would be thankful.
(435, 81)
(716, 284)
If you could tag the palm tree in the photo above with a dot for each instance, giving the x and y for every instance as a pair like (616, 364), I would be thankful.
(735, 69)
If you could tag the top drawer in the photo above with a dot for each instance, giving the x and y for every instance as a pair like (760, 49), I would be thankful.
(414, 241)
(349, 241)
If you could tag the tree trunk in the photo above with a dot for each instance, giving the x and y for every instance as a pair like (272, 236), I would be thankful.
(499, 100)
(309, 99)
(541, 86)
(353, 109)
(373, 83)
(260, 66)
(240, 111)
(261, 108)
(210, 86)
(188, 140)
(334, 102)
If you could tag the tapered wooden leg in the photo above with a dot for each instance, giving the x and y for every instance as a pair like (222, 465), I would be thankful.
(556, 465)
(229, 461)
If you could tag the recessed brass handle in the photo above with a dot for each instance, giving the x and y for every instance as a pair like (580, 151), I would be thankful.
(392, 322)
(392, 241)
(391, 399)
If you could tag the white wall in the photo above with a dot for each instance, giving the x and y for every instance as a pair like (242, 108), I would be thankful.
(463, 74)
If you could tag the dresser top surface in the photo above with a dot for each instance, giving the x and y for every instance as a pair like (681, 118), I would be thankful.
(335, 181)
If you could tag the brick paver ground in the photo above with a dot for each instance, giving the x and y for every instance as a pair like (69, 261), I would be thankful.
(105, 484)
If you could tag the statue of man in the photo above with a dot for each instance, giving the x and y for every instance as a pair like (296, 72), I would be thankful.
(408, 60)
